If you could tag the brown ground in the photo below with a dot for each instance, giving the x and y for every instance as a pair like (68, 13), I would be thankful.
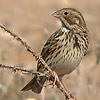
(32, 20)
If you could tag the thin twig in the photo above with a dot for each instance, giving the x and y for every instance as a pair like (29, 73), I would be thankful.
(16, 68)
(24, 71)
(40, 60)
(37, 57)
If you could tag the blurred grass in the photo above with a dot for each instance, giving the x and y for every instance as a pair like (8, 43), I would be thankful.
(32, 21)
(3, 59)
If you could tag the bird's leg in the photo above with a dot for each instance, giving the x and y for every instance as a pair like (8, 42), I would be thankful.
(56, 78)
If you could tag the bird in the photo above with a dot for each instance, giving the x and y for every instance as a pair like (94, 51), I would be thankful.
(65, 48)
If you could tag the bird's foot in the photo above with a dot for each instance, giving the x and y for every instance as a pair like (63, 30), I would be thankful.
(56, 78)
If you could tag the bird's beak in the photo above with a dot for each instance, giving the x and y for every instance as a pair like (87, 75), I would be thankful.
(56, 14)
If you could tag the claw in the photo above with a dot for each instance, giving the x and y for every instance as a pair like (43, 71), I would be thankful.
(56, 78)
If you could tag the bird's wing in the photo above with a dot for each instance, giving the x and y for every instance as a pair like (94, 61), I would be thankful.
(48, 47)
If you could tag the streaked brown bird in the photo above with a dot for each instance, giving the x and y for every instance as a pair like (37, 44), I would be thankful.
(65, 48)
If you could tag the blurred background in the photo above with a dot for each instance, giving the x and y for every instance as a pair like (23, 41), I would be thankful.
(32, 21)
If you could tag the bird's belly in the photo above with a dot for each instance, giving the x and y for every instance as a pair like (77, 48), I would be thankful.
(65, 64)
(65, 68)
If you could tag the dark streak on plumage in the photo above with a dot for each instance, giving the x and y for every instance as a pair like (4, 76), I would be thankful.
(65, 45)
(57, 53)
(76, 44)
(59, 47)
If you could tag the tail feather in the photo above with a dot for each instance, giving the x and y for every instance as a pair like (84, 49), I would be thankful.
(35, 86)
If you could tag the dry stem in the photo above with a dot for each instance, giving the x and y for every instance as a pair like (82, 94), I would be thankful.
(17, 68)
(40, 60)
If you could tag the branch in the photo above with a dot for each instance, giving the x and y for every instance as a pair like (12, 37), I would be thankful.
(16, 68)
(40, 60)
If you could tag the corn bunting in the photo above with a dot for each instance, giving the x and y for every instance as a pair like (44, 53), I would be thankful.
(65, 48)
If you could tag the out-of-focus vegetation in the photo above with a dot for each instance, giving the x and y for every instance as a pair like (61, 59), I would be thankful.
(32, 20)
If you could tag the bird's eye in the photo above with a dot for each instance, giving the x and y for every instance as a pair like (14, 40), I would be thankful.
(65, 13)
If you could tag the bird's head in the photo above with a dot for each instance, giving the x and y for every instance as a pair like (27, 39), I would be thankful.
(69, 16)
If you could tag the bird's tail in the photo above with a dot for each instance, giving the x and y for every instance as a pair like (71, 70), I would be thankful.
(35, 85)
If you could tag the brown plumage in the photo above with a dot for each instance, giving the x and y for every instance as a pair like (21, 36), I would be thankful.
(64, 49)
